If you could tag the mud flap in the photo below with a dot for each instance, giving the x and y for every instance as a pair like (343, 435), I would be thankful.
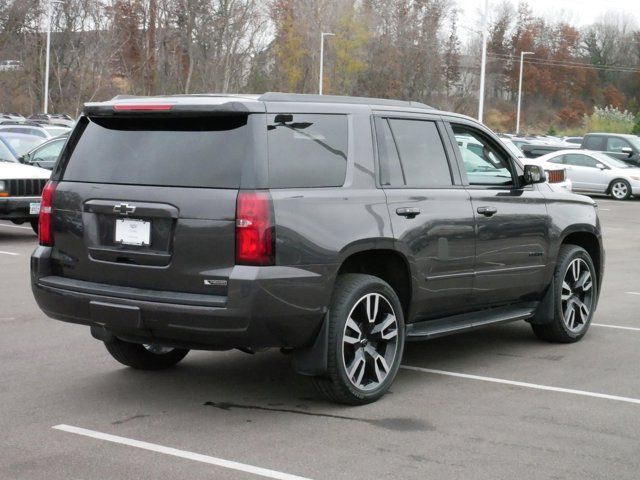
(312, 360)
(545, 312)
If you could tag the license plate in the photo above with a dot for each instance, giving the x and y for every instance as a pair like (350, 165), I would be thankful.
(34, 208)
(133, 232)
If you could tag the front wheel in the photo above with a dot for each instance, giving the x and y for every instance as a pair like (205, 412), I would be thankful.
(366, 340)
(574, 299)
(144, 357)
(620, 189)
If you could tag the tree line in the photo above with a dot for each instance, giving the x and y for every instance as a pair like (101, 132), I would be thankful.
(407, 49)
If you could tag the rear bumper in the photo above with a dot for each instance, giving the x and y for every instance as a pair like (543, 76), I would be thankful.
(265, 307)
(17, 207)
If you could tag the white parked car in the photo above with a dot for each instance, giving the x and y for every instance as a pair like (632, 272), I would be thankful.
(596, 172)
(472, 156)
(20, 190)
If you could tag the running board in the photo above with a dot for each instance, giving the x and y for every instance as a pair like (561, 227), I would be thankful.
(428, 329)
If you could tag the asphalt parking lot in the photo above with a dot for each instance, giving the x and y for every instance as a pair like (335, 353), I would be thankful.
(495, 403)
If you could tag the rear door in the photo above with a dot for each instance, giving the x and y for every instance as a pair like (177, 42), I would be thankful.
(512, 224)
(430, 211)
(149, 201)
(584, 173)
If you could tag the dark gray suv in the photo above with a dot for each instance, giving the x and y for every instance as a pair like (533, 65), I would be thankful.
(335, 228)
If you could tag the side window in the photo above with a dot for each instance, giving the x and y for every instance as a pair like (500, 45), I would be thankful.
(307, 150)
(422, 156)
(579, 160)
(593, 143)
(391, 174)
(616, 144)
(49, 152)
(559, 159)
(484, 163)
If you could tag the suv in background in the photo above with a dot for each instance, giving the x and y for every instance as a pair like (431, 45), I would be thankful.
(618, 145)
(336, 228)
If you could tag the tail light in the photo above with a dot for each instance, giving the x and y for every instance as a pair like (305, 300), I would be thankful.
(555, 176)
(45, 224)
(254, 229)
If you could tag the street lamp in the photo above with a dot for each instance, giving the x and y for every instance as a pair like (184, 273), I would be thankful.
(483, 63)
(522, 54)
(46, 70)
(322, 35)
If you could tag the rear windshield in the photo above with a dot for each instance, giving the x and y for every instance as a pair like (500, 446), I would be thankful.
(178, 151)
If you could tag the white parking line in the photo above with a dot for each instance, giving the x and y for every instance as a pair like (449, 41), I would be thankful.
(13, 226)
(616, 326)
(9, 253)
(263, 472)
(632, 293)
(524, 384)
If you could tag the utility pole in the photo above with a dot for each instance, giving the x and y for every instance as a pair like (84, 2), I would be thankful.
(522, 54)
(322, 35)
(46, 69)
(483, 62)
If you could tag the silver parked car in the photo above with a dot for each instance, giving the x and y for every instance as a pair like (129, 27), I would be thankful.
(596, 172)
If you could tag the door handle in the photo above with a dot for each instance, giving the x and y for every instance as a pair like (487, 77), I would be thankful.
(409, 212)
(487, 211)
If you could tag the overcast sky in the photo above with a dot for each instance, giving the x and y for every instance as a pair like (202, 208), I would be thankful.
(578, 12)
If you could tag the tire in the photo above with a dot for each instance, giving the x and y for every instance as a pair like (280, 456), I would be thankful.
(34, 224)
(620, 189)
(574, 299)
(366, 340)
(144, 357)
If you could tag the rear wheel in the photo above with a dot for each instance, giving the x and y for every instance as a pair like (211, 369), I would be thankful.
(575, 297)
(620, 189)
(144, 357)
(366, 340)
(34, 225)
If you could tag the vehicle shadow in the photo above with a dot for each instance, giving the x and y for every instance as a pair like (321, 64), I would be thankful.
(264, 383)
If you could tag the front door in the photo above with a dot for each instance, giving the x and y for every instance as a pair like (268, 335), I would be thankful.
(430, 212)
(512, 228)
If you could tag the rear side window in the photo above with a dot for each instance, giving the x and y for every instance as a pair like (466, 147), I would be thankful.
(180, 152)
(593, 143)
(307, 150)
(422, 156)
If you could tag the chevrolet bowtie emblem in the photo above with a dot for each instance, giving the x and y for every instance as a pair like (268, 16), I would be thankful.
(124, 209)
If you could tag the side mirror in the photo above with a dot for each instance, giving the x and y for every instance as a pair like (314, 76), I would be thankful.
(627, 150)
(534, 174)
(600, 166)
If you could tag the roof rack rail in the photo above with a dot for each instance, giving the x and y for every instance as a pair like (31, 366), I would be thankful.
(303, 97)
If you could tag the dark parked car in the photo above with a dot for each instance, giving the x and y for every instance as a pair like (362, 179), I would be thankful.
(336, 228)
(621, 146)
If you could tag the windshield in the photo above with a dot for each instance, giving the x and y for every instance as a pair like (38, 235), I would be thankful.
(5, 154)
(512, 148)
(611, 161)
(23, 143)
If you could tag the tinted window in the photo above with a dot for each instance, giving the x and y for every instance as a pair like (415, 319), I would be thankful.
(484, 162)
(580, 160)
(184, 152)
(391, 173)
(307, 150)
(616, 144)
(421, 153)
(593, 143)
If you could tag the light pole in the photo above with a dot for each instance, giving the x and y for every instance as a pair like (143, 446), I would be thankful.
(46, 69)
(522, 54)
(322, 35)
(483, 62)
